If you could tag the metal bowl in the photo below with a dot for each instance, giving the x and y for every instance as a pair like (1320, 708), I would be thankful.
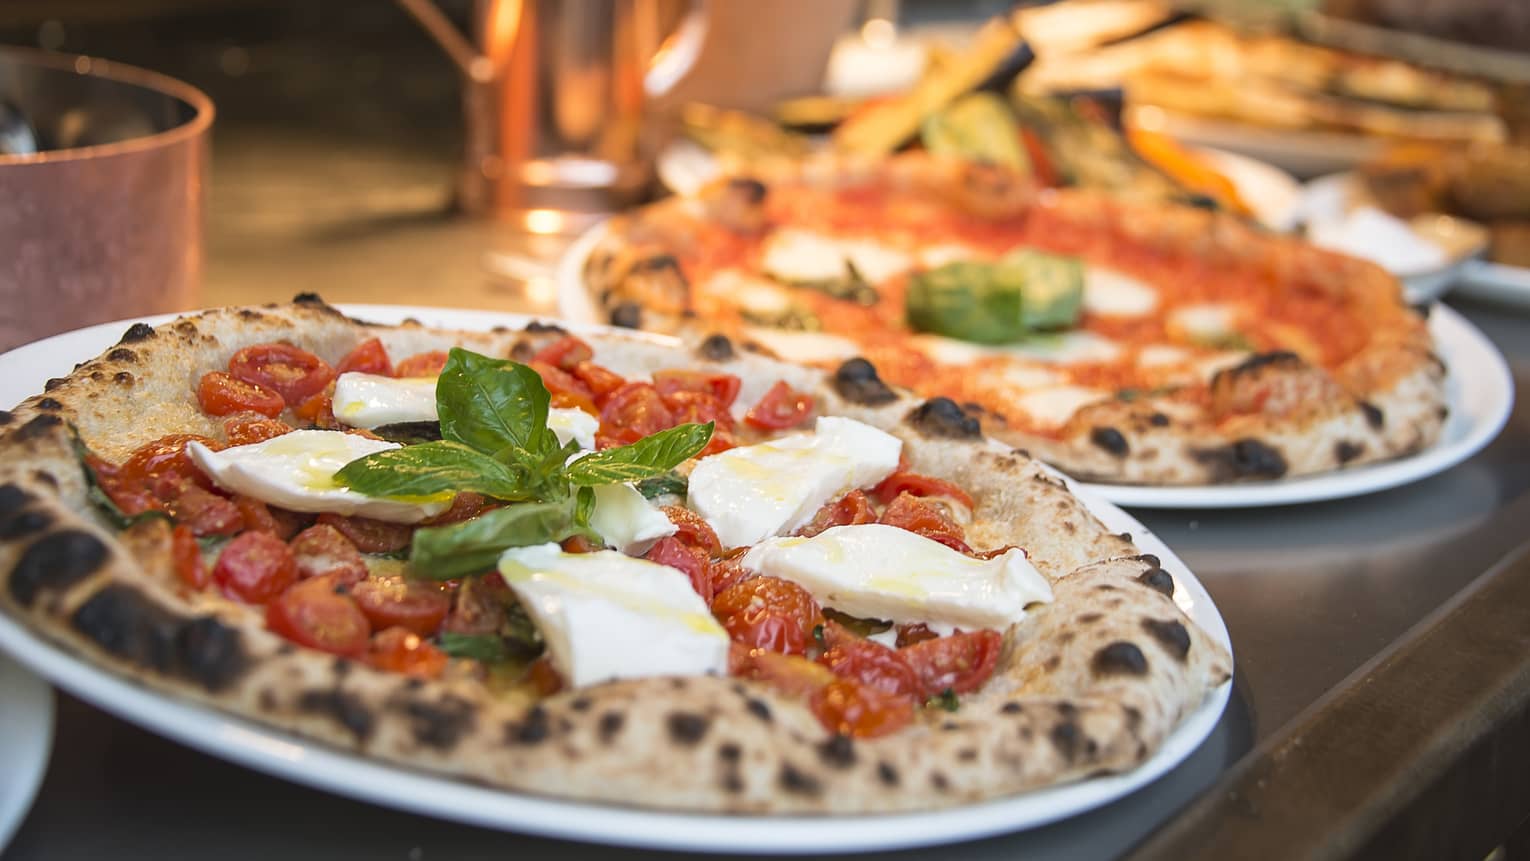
(102, 181)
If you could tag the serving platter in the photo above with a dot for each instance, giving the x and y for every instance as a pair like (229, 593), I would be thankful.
(24, 371)
(26, 713)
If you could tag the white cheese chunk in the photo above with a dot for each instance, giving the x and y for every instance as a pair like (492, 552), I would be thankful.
(1051, 408)
(876, 571)
(1109, 293)
(874, 261)
(626, 520)
(804, 256)
(1209, 321)
(1068, 348)
(1157, 355)
(296, 471)
(369, 400)
(607, 616)
(805, 346)
(936, 256)
(573, 424)
(754, 492)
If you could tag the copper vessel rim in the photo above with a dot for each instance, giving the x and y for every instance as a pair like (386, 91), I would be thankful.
(197, 125)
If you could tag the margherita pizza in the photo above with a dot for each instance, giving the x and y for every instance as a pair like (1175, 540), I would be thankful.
(604, 567)
(1120, 340)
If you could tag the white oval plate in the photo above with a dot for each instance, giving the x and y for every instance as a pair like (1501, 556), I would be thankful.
(26, 713)
(23, 372)
(1496, 282)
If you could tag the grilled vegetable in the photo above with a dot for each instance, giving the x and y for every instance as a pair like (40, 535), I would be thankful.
(978, 127)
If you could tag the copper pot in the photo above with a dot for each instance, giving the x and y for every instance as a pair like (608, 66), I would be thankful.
(104, 219)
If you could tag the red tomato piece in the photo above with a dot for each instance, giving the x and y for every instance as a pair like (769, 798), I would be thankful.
(257, 516)
(692, 529)
(599, 380)
(292, 372)
(318, 409)
(919, 485)
(205, 512)
(579, 544)
(418, 605)
(543, 677)
(371, 536)
(369, 357)
(322, 550)
(792, 675)
(768, 613)
(480, 605)
(400, 650)
(692, 560)
(870, 663)
(848, 510)
(250, 428)
(422, 364)
(255, 567)
(925, 518)
(153, 474)
(960, 662)
(634, 411)
(562, 383)
(465, 506)
(317, 614)
(723, 387)
(728, 571)
(782, 407)
(850, 708)
(221, 394)
(186, 554)
(565, 354)
(917, 632)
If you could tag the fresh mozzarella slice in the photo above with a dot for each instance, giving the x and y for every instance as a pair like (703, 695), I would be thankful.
(296, 471)
(805, 346)
(1029, 376)
(877, 571)
(605, 615)
(800, 255)
(573, 424)
(876, 262)
(626, 520)
(369, 401)
(1109, 293)
(1051, 408)
(754, 492)
(1205, 322)
(756, 295)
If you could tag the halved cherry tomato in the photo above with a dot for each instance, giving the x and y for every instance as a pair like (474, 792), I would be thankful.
(916, 632)
(634, 411)
(792, 675)
(850, 708)
(692, 529)
(314, 613)
(205, 512)
(918, 485)
(255, 567)
(566, 389)
(925, 518)
(723, 387)
(688, 558)
(850, 509)
(292, 372)
(400, 650)
(257, 516)
(418, 605)
(318, 409)
(159, 467)
(565, 354)
(464, 506)
(250, 428)
(853, 657)
(579, 544)
(728, 571)
(322, 550)
(543, 677)
(782, 407)
(480, 605)
(960, 662)
(186, 554)
(599, 380)
(768, 613)
(221, 394)
(422, 364)
(369, 357)
(371, 536)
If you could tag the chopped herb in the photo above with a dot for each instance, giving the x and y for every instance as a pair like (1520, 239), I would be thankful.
(1129, 395)
(818, 636)
(489, 648)
(1224, 341)
(946, 700)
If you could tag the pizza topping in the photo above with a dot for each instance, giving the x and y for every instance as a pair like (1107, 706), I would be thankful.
(769, 613)
(293, 373)
(1110, 293)
(368, 357)
(608, 616)
(625, 520)
(246, 428)
(186, 556)
(857, 382)
(1053, 407)
(400, 650)
(942, 417)
(415, 605)
(221, 394)
(369, 400)
(776, 487)
(781, 407)
(804, 346)
(255, 567)
(925, 518)
(322, 550)
(843, 268)
(880, 571)
(422, 364)
(318, 614)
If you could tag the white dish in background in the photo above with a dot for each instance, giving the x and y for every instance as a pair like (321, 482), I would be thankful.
(1302, 153)
(23, 372)
(26, 742)
(1496, 282)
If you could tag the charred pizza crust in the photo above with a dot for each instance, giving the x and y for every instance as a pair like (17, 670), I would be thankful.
(1093, 682)
(1275, 414)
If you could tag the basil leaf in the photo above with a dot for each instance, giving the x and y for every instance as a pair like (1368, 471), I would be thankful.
(668, 484)
(410, 433)
(489, 648)
(946, 700)
(473, 546)
(493, 404)
(521, 636)
(648, 457)
(97, 494)
(584, 506)
(431, 469)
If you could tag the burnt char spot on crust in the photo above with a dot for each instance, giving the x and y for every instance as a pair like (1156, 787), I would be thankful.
(716, 347)
(1170, 634)
(610, 726)
(53, 383)
(887, 774)
(24, 523)
(1012, 708)
(1158, 420)
(1065, 737)
(49, 404)
(1345, 451)
(307, 299)
(856, 381)
(941, 417)
(6, 417)
(1261, 360)
(537, 327)
(56, 562)
(128, 624)
(837, 751)
(1245, 458)
(346, 710)
(795, 781)
(1158, 580)
(687, 728)
(580, 704)
(12, 499)
(1119, 659)
(440, 723)
(137, 332)
(656, 263)
(1109, 439)
(627, 315)
(534, 728)
(122, 378)
(37, 428)
(1373, 415)
(122, 354)
(752, 189)
(759, 709)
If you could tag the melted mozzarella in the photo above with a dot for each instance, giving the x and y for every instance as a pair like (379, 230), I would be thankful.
(573, 424)
(369, 400)
(754, 492)
(605, 615)
(1109, 293)
(296, 471)
(1205, 322)
(805, 346)
(804, 256)
(1051, 408)
(1068, 348)
(1157, 355)
(882, 572)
